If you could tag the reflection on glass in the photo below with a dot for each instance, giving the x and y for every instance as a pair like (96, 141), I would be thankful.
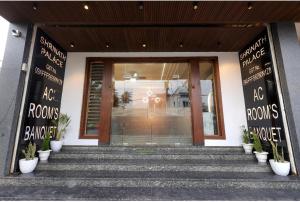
(94, 99)
(151, 104)
(208, 98)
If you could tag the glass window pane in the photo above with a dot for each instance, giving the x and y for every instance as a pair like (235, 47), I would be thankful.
(206, 70)
(94, 99)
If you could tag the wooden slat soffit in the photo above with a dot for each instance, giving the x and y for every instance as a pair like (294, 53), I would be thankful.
(112, 26)
(116, 12)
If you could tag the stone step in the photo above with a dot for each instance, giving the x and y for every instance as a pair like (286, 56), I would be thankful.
(233, 156)
(153, 161)
(151, 150)
(162, 175)
(150, 183)
(51, 193)
(90, 167)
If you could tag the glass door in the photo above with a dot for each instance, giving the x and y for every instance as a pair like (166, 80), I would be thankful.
(151, 104)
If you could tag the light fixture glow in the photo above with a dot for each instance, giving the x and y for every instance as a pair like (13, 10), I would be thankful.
(145, 100)
(149, 93)
(195, 5)
(144, 45)
(141, 5)
(157, 100)
(250, 6)
(86, 7)
(133, 79)
(72, 45)
(34, 7)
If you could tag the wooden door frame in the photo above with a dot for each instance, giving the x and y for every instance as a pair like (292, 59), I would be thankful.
(195, 94)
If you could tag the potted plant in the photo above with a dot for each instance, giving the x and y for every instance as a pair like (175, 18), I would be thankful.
(247, 145)
(62, 124)
(44, 153)
(261, 155)
(278, 164)
(28, 164)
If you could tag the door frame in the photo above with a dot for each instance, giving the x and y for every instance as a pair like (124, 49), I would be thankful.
(195, 95)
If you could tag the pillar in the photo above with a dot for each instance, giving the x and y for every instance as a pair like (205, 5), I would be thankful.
(287, 53)
(12, 80)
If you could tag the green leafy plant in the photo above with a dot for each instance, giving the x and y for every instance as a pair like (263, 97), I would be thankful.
(126, 97)
(62, 124)
(29, 151)
(246, 137)
(277, 157)
(46, 142)
(256, 142)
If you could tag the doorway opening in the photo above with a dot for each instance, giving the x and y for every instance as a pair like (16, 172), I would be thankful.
(152, 101)
(151, 104)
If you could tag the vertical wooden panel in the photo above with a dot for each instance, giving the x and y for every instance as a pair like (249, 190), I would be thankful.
(106, 105)
(84, 100)
(197, 123)
(219, 104)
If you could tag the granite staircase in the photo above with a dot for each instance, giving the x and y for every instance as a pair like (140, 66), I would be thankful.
(150, 173)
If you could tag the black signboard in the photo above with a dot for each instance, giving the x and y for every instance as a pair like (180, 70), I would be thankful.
(44, 91)
(261, 97)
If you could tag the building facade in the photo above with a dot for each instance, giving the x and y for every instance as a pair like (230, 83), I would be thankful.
(150, 73)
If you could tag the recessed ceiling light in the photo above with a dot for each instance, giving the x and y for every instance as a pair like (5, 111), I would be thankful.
(34, 7)
(195, 5)
(86, 7)
(181, 45)
(107, 44)
(144, 45)
(250, 6)
(72, 45)
(141, 5)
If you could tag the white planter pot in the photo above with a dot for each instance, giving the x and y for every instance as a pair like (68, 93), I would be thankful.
(280, 168)
(248, 148)
(56, 145)
(27, 166)
(261, 156)
(44, 155)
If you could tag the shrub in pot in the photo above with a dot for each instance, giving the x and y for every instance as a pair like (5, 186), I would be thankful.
(278, 164)
(28, 164)
(62, 124)
(44, 153)
(247, 145)
(260, 154)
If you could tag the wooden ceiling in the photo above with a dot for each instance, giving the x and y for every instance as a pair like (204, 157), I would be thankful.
(156, 39)
(162, 26)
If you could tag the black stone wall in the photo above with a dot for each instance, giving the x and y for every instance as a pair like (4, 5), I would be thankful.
(11, 89)
(287, 51)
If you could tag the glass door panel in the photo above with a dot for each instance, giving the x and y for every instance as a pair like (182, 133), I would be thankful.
(207, 82)
(151, 104)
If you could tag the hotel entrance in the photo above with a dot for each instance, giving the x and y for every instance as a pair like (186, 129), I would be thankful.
(157, 101)
(151, 104)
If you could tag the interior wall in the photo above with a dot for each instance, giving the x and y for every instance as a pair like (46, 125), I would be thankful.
(231, 88)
